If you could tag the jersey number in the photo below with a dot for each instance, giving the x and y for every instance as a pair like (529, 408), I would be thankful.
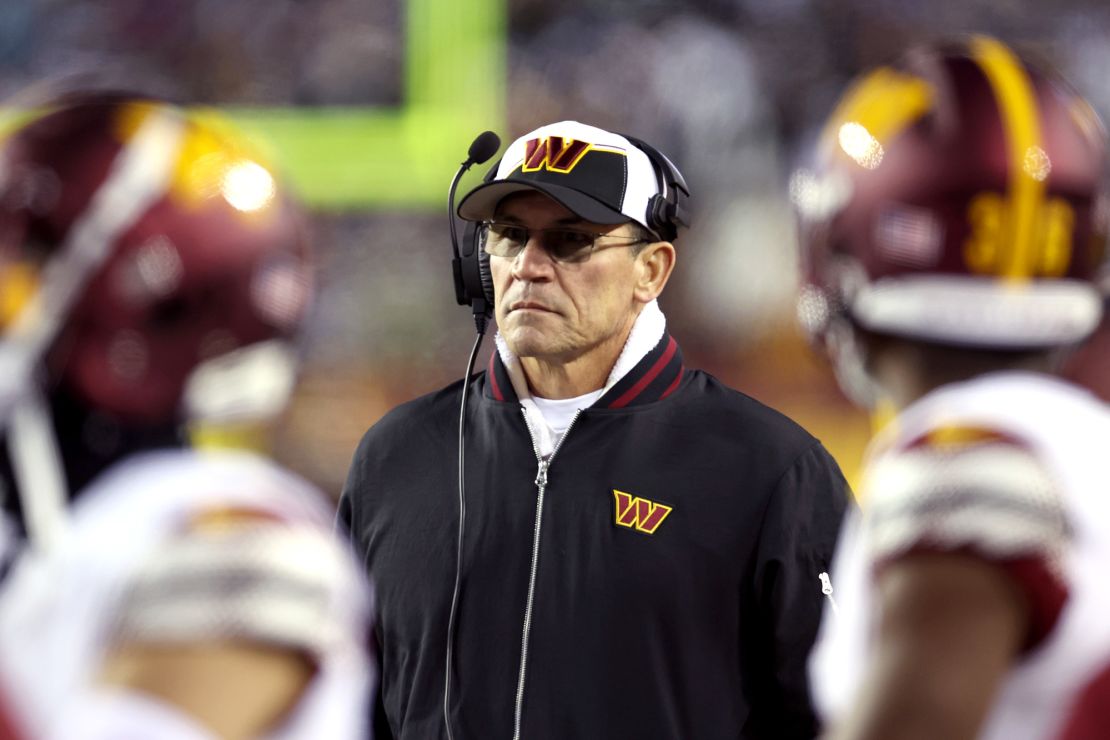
(985, 250)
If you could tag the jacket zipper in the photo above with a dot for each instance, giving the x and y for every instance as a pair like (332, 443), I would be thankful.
(541, 486)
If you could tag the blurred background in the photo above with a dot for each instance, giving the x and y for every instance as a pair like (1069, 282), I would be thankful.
(369, 105)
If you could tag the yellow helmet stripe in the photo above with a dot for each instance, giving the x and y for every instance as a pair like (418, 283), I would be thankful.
(884, 102)
(19, 282)
(1018, 108)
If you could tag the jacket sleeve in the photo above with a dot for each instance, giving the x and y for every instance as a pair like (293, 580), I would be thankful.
(346, 524)
(796, 543)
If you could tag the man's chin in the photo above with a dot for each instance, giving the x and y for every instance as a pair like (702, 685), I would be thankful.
(528, 341)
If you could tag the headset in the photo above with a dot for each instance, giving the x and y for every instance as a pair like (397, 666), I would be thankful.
(666, 212)
(473, 287)
(470, 268)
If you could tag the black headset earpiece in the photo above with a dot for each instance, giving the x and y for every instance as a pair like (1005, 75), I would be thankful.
(474, 282)
(666, 211)
(470, 265)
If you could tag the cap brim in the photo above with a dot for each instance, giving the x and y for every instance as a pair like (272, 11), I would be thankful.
(481, 202)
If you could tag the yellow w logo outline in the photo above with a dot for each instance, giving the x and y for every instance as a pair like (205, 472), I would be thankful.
(553, 153)
(639, 513)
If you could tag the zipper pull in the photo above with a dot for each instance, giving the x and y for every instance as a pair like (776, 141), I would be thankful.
(541, 474)
(827, 589)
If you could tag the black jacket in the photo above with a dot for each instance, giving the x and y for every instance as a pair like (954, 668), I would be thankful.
(645, 623)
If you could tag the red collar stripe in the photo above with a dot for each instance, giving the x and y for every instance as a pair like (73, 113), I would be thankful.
(656, 376)
(492, 373)
(630, 395)
(674, 384)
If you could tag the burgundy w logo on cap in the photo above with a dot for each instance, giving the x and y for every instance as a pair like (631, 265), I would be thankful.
(553, 153)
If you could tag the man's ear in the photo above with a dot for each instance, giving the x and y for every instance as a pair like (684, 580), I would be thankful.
(654, 263)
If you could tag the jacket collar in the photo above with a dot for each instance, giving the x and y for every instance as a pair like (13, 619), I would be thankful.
(656, 376)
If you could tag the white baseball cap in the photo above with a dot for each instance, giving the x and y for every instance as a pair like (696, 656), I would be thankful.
(598, 175)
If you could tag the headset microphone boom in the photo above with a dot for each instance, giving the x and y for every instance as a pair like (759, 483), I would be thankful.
(469, 289)
(468, 283)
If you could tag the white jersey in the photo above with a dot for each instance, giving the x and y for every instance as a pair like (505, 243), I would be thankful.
(1009, 466)
(113, 714)
(136, 527)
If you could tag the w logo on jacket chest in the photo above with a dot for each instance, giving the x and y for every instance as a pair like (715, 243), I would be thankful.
(639, 513)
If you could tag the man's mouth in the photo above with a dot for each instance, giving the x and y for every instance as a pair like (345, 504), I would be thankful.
(529, 306)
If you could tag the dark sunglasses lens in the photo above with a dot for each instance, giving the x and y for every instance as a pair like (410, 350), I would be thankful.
(504, 240)
(569, 246)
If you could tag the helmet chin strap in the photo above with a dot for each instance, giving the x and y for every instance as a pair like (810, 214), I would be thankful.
(38, 469)
(842, 346)
(860, 386)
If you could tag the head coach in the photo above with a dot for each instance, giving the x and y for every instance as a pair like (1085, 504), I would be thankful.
(642, 545)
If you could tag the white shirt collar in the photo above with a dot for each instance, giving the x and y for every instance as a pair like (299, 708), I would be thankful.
(646, 332)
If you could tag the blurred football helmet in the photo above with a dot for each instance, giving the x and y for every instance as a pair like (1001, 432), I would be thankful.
(956, 198)
(150, 264)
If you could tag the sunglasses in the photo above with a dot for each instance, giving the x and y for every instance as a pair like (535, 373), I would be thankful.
(561, 244)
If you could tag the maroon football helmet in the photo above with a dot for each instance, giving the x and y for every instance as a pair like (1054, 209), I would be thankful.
(956, 198)
(138, 241)
(151, 271)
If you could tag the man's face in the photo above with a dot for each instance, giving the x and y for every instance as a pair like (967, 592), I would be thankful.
(560, 311)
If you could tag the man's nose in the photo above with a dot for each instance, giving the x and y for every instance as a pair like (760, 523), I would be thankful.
(534, 261)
